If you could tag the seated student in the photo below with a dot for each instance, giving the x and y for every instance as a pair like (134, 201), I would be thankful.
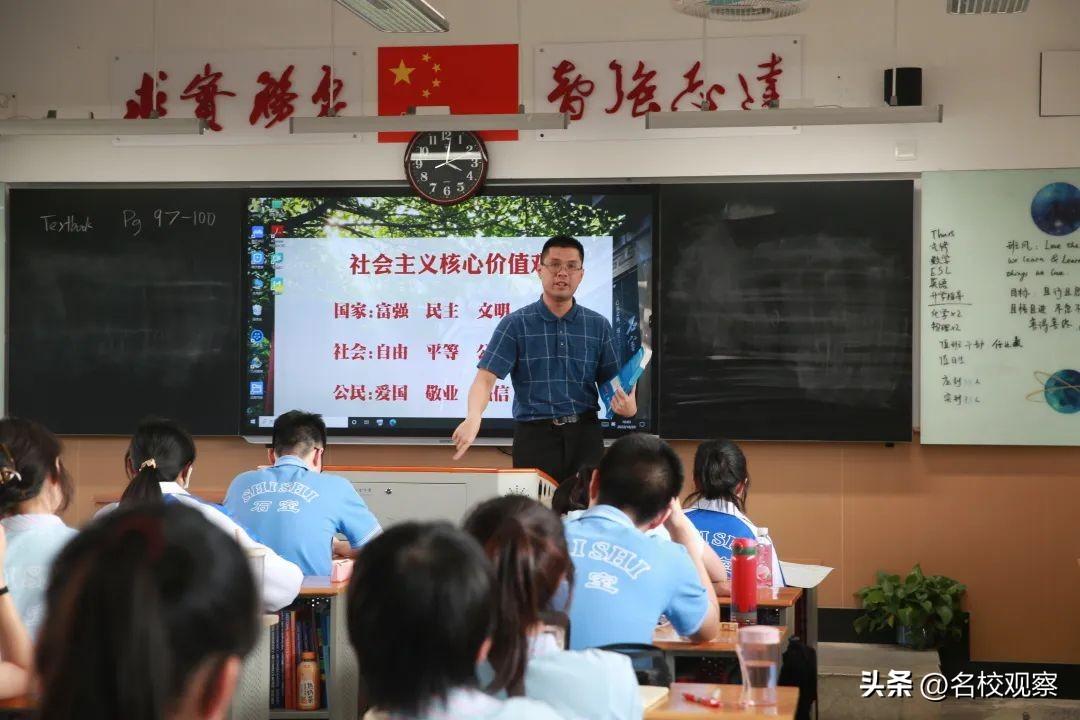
(151, 610)
(296, 509)
(623, 579)
(571, 500)
(717, 507)
(159, 463)
(421, 612)
(526, 543)
(34, 486)
(15, 647)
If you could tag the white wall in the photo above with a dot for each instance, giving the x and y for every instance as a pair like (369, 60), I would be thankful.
(55, 54)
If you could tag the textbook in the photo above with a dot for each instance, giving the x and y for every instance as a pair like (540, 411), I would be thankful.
(626, 377)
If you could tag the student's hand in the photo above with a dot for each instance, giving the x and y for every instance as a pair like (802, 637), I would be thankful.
(625, 405)
(679, 526)
(465, 435)
(341, 548)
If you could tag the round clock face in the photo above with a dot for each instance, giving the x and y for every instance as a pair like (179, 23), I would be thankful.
(446, 167)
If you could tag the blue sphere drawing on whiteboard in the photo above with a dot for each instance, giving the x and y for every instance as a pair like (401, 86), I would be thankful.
(1061, 390)
(1056, 208)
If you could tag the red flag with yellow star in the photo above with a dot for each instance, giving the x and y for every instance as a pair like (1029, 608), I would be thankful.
(467, 78)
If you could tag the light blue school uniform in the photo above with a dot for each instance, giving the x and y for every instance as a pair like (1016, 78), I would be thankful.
(470, 704)
(33, 541)
(297, 512)
(577, 684)
(624, 580)
(719, 523)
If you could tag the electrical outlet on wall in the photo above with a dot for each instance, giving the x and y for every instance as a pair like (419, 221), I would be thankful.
(7, 105)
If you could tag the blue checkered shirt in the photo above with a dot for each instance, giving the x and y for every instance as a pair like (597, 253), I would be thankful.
(554, 363)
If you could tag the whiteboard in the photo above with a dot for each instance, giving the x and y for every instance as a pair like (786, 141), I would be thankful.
(1000, 307)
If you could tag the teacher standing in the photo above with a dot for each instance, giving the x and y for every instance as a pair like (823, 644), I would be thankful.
(556, 353)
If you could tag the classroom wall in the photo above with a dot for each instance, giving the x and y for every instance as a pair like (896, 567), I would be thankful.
(1000, 519)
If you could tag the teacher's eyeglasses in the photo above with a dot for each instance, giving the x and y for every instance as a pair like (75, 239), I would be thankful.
(558, 267)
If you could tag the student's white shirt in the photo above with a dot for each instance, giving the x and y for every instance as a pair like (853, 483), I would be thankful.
(577, 684)
(470, 704)
(728, 508)
(33, 542)
(281, 578)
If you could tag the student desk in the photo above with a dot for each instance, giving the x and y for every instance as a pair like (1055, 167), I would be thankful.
(343, 675)
(22, 706)
(252, 699)
(675, 707)
(775, 606)
(674, 646)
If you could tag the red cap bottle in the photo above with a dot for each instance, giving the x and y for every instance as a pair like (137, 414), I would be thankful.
(744, 581)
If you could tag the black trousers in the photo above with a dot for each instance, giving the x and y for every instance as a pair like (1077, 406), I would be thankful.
(558, 450)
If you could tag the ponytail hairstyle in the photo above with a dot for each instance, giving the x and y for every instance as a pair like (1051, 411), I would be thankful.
(719, 467)
(526, 543)
(573, 492)
(159, 451)
(137, 605)
(29, 456)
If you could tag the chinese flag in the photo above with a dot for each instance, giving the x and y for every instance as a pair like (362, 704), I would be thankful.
(470, 79)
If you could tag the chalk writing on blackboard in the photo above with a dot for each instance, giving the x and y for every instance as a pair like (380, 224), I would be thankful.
(167, 218)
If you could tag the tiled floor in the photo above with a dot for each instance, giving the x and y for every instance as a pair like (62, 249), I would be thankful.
(840, 667)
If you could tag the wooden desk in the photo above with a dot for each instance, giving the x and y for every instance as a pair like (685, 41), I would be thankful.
(770, 597)
(343, 675)
(677, 708)
(674, 646)
(780, 601)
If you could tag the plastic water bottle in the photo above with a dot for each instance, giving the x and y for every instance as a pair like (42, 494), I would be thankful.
(764, 558)
(758, 648)
(307, 686)
(744, 581)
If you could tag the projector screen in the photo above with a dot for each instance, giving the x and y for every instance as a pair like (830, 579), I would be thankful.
(373, 310)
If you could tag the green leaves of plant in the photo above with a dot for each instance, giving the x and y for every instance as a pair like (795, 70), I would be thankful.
(926, 604)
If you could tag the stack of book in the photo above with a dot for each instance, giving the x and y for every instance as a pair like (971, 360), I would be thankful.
(302, 627)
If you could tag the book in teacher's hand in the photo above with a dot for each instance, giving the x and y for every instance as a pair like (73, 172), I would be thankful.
(627, 376)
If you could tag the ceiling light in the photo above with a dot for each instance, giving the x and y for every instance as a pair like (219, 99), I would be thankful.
(398, 16)
(778, 117)
(423, 123)
(81, 126)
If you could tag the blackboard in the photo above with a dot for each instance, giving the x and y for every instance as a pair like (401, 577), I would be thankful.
(786, 310)
(124, 303)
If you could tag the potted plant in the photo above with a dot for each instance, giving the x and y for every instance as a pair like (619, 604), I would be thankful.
(923, 609)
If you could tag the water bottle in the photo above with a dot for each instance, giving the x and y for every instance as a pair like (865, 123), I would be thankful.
(307, 686)
(758, 648)
(744, 581)
(764, 558)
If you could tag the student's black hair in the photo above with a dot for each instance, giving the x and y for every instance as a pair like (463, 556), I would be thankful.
(527, 545)
(640, 474)
(297, 432)
(136, 604)
(420, 608)
(562, 241)
(573, 492)
(719, 467)
(29, 455)
(159, 451)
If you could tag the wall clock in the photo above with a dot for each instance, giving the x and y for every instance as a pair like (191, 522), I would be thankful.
(446, 166)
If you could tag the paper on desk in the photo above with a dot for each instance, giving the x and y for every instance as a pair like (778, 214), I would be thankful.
(652, 695)
(803, 576)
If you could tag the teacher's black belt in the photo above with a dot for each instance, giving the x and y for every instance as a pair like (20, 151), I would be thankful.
(565, 419)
